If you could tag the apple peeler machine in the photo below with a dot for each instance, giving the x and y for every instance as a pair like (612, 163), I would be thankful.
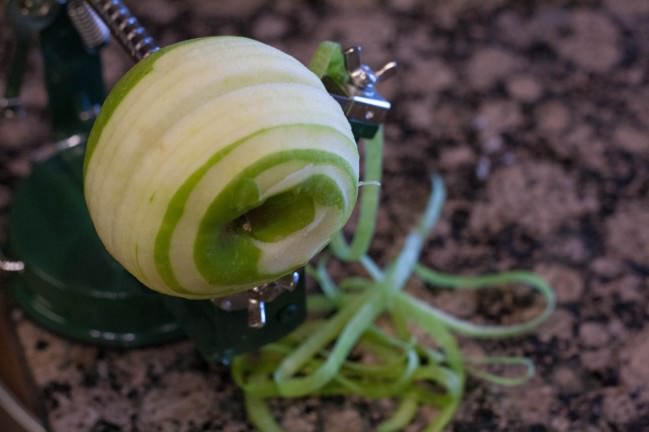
(59, 272)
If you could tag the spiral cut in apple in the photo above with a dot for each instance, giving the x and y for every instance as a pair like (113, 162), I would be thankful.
(216, 165)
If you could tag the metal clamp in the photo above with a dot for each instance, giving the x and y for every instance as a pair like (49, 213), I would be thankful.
(256, 298)
(359, 99)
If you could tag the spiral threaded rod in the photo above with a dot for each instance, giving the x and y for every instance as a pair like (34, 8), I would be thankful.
(125, 27)
(93, 30)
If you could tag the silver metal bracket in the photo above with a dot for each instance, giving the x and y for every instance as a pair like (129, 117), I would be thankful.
(359, 99)
(255, 299)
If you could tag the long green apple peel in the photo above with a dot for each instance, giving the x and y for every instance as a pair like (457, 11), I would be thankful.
(219, 164)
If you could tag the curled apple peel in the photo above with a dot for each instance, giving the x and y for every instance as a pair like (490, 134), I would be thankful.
(218, 164)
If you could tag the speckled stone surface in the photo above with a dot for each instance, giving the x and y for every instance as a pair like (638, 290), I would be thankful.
(537, 115)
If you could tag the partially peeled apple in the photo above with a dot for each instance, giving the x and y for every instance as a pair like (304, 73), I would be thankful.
(216, 165)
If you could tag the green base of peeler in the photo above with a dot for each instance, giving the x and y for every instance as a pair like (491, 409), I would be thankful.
(70, 283)
(72, 286)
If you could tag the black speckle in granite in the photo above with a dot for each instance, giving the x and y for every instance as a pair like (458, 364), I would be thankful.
(459, 221)
(89, 378)
(608, 377)
(632, 314)
(102, 354)
(208, 426)
(152, 376)
(41, 345)
(132, 394)
(114, 381)
(57, 387)
(549, 353)
(52, 391)
(517, 242)
(639, 268)
(535, 428)
(103, 425)
(485, 418)
(636, 425)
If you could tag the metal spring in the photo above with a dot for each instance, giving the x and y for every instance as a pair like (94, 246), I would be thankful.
(91, 28)
(125, 27)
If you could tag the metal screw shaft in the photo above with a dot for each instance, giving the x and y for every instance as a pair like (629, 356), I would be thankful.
(125, 27)
(91, 28)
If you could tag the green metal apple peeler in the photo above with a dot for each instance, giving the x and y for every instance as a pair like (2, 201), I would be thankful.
(60, 273)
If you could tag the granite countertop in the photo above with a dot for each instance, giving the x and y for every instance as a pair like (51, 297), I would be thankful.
(537, 116)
